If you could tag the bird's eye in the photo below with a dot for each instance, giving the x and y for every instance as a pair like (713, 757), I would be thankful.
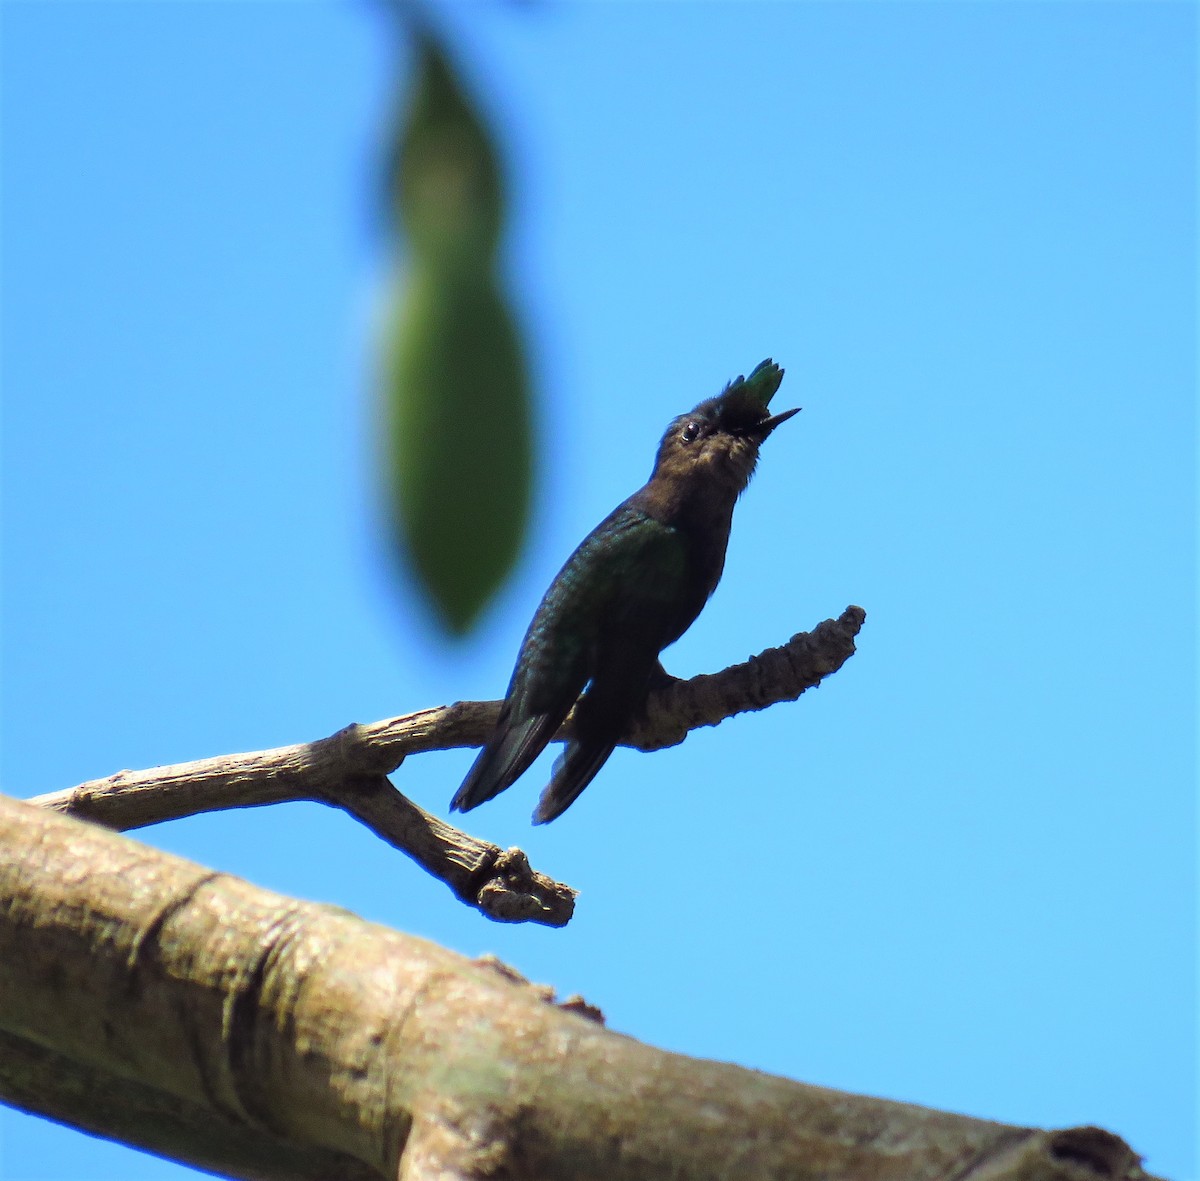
(691, 432)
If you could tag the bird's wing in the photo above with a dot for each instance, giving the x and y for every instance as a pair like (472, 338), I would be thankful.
(626, 557)
(636, 628)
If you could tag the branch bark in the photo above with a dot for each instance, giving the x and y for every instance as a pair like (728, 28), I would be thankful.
(195, 1015)
(349, 770)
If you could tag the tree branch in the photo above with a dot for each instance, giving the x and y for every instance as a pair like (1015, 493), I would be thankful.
(349, 770)
(195, 1015)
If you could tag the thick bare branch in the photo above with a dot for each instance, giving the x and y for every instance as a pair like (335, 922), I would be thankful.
(349, 770)
(191, 1013)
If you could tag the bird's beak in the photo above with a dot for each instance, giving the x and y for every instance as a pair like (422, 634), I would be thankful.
(768, 425)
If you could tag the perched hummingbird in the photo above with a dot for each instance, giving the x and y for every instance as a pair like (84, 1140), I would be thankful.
(632, 587)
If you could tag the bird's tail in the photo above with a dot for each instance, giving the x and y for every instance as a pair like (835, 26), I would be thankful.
(574, 769)
(504, 760)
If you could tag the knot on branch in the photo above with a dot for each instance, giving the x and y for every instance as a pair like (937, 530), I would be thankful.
(1094, 1149)
(515, 892)
(544, 992)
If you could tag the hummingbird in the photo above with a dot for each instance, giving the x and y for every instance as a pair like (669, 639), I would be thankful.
(633, 586)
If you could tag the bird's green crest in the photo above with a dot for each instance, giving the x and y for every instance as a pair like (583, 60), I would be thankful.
(761, 384)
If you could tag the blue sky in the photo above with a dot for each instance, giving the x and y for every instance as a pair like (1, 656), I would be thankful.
(961, 873)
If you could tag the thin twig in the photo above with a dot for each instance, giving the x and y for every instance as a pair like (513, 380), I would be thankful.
(349, 770)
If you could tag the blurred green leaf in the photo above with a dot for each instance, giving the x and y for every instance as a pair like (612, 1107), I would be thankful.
(459, 440)
(457, 399)
(446, 177)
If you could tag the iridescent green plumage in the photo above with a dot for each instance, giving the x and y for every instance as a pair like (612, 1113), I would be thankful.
(632, 587)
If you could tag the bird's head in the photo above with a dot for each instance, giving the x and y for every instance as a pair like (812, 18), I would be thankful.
(720, 438)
